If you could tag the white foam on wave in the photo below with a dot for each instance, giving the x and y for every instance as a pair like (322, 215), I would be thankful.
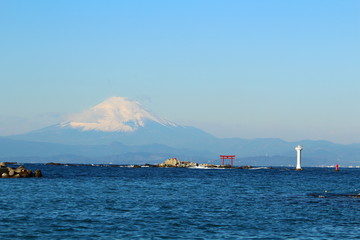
(258, 168)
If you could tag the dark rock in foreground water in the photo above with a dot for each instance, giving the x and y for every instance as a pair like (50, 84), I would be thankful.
(20, 172)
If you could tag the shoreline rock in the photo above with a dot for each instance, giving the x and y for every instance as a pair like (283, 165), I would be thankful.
(19, 172)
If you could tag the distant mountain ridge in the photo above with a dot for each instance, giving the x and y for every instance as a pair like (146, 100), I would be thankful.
(122, 130)
(118, 119)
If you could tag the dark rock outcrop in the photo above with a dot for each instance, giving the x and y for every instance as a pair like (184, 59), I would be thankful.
(19, 172)
(37, 173)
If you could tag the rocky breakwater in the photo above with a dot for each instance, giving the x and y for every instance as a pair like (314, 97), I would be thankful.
(19, 172)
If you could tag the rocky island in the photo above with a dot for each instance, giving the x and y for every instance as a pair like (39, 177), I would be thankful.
(175, 163)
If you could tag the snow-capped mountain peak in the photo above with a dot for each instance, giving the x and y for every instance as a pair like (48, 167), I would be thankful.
(116, 114)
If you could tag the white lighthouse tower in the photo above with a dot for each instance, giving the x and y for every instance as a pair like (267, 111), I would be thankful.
(298, 157)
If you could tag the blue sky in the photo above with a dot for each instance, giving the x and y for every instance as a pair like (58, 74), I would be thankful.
(249, 69)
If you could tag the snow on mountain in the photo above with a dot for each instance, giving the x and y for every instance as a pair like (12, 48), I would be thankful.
(116, 114)
(119, 119)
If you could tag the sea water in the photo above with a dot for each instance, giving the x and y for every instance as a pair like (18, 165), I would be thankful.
(85, 202)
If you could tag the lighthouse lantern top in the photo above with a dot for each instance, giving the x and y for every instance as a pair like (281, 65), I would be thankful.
(299, 148)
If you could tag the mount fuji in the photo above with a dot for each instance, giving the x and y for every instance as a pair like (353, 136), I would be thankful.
(118, 119)
(123, 131)
(116, 114)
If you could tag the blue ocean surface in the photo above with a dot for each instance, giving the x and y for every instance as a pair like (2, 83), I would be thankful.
(93, 202)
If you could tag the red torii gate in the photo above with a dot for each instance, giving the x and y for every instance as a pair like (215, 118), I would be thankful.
(231, 157)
